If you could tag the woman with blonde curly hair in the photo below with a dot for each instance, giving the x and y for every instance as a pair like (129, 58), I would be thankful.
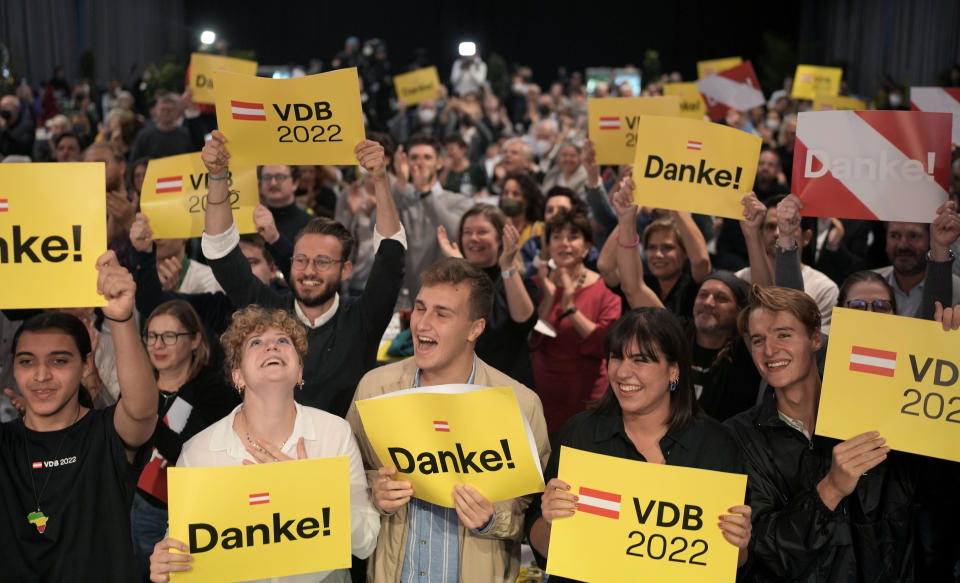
(264, 358)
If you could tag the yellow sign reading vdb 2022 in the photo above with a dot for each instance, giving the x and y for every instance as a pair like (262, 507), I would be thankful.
(896, 375)
(416, 86)
(439, 437)
(53, 227)
(174, 196)
(638, 521)
(305, 120)
(264, 520)
(696, 166)
(202, 67)
(612, 123)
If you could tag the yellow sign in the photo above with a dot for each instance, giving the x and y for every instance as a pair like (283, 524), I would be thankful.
(613, 123)
(810, 81)
(53, 228)
(637, 521)
(691, 102)
(695, 166)
(305, 120)
(202, 67)
(437, 438)
(259, 521)
(836, 103)
(895, 375)
(417, 86)
(174, 196)
(715, 66)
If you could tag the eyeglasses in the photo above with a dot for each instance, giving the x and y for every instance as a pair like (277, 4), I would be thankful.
(166, 338)
(271, 177)
(882, 306)
(321, 262)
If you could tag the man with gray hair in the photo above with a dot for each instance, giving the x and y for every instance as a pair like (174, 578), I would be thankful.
(516, 157)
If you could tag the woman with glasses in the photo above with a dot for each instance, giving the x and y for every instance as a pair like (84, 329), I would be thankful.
(193, 394)
(869, 291)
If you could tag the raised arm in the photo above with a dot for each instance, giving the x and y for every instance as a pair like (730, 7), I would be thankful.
(135, 417)
(761, 271)
(938, 281)
(787, 268)
(629, 261)
(518, 300)
(695, 245)
(216, 158)
(371, 157)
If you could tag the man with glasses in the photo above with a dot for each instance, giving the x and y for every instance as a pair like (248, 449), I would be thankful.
(277, 187)
(343, 334)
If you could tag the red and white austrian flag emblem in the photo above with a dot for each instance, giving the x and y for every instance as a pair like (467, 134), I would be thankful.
(259, 498)
(873, 361)
(606, 504)
(694, 145)
(169, 184)
(441, 426)
(941, 99)
(247, 110)
(37, 465)
(4, 205)
(609, 123)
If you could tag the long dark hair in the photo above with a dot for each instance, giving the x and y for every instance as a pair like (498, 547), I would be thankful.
(860, 277)
(69, 325)
(658, 335)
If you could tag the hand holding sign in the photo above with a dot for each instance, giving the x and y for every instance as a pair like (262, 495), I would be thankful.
(944, 231)
(371, 157)
(215, 155)
(754, 212)
(390, 495)
(737, 529)
(788, 221)
(473, 509)
(116, 285)
(850, 460)
(557, 501)
(163, 562)
(949, 317)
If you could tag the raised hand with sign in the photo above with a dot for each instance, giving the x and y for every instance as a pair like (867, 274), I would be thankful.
(754, 213)
(629, 260)
(851, 459)
(944, 231)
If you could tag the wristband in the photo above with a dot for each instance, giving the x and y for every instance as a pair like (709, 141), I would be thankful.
(570, 312)
(209, 202)
(224, 177)
(506, 273)
(116, 320)
(635, 243)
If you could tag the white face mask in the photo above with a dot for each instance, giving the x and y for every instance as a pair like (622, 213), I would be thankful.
(519, 88)
(772, 124)
(543, 147)
(426, 115)
(896, 100)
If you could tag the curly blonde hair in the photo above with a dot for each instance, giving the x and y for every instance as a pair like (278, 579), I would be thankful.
(254, 320)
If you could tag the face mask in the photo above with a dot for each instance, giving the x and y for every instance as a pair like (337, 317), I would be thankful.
(426, 115)
(896, 100)
(511, 207)
(543, 147)
(544, 110)
(772, 124)
(519, 88)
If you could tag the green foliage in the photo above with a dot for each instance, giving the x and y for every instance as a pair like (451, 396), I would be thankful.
(498, 75)
(651, 66)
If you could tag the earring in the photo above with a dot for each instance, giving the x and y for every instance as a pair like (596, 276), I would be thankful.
(673, 385)
(240, 390)
(300, 384)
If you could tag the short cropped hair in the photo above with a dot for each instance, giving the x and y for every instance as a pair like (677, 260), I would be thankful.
(780, 299)
(258, 242)
(454, 271)
(425, 140)
(294, 171)
(255, 320)
(325, 226)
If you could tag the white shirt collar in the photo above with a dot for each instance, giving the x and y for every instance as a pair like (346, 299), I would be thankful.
(324, 317)
(225, 439)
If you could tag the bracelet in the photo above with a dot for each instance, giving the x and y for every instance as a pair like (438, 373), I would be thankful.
(218, 202)
(116, 320)
(224, 177)
(569, 312)
(635, 243)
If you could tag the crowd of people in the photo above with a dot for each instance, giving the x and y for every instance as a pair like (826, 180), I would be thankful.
(484, 224)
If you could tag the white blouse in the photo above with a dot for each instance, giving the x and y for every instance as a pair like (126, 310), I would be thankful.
(324, 435)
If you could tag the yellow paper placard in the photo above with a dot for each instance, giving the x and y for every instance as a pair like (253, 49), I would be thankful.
(695, 166)
(895, 375)
(837, 102)
(643, 522)
(259, 521)
(439, 440)
(202, 67)
(691, 102)
(613, 123)
(714, 66)
(418, 85)
(53, 227)
(174, 196)
(811, 81)
(306, 120)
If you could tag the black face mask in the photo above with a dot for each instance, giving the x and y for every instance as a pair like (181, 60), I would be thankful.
(544, 110)
(510, 207)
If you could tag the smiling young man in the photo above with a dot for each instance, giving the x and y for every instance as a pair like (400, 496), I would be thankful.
(69, 471)
(822, 510)
(477, 540)
(342, 334)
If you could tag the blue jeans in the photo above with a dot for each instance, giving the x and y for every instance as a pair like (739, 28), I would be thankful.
(148, 525)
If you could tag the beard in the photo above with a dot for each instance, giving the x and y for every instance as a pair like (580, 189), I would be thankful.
(325, 293)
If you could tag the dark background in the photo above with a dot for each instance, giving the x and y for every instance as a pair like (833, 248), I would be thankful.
(912, 41)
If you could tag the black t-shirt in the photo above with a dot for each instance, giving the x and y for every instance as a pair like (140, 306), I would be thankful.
(682, 294)
(86, 501)
(503, 343)
(726, 381)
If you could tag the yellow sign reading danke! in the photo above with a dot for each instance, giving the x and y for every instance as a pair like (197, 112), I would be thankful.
(316, 119)
(53, 227)
(202, 67)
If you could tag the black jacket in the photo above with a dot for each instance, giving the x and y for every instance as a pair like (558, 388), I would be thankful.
(870, 535)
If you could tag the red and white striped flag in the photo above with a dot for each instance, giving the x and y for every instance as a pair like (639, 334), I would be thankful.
(37, 465)
(606, 504)
(169, 184)
(246, 110)
(736, 88)
(873, 361)
(939, 99)
(441, 426)
(694, 145)
(261, 498)
(609, 123)
(4, 205)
